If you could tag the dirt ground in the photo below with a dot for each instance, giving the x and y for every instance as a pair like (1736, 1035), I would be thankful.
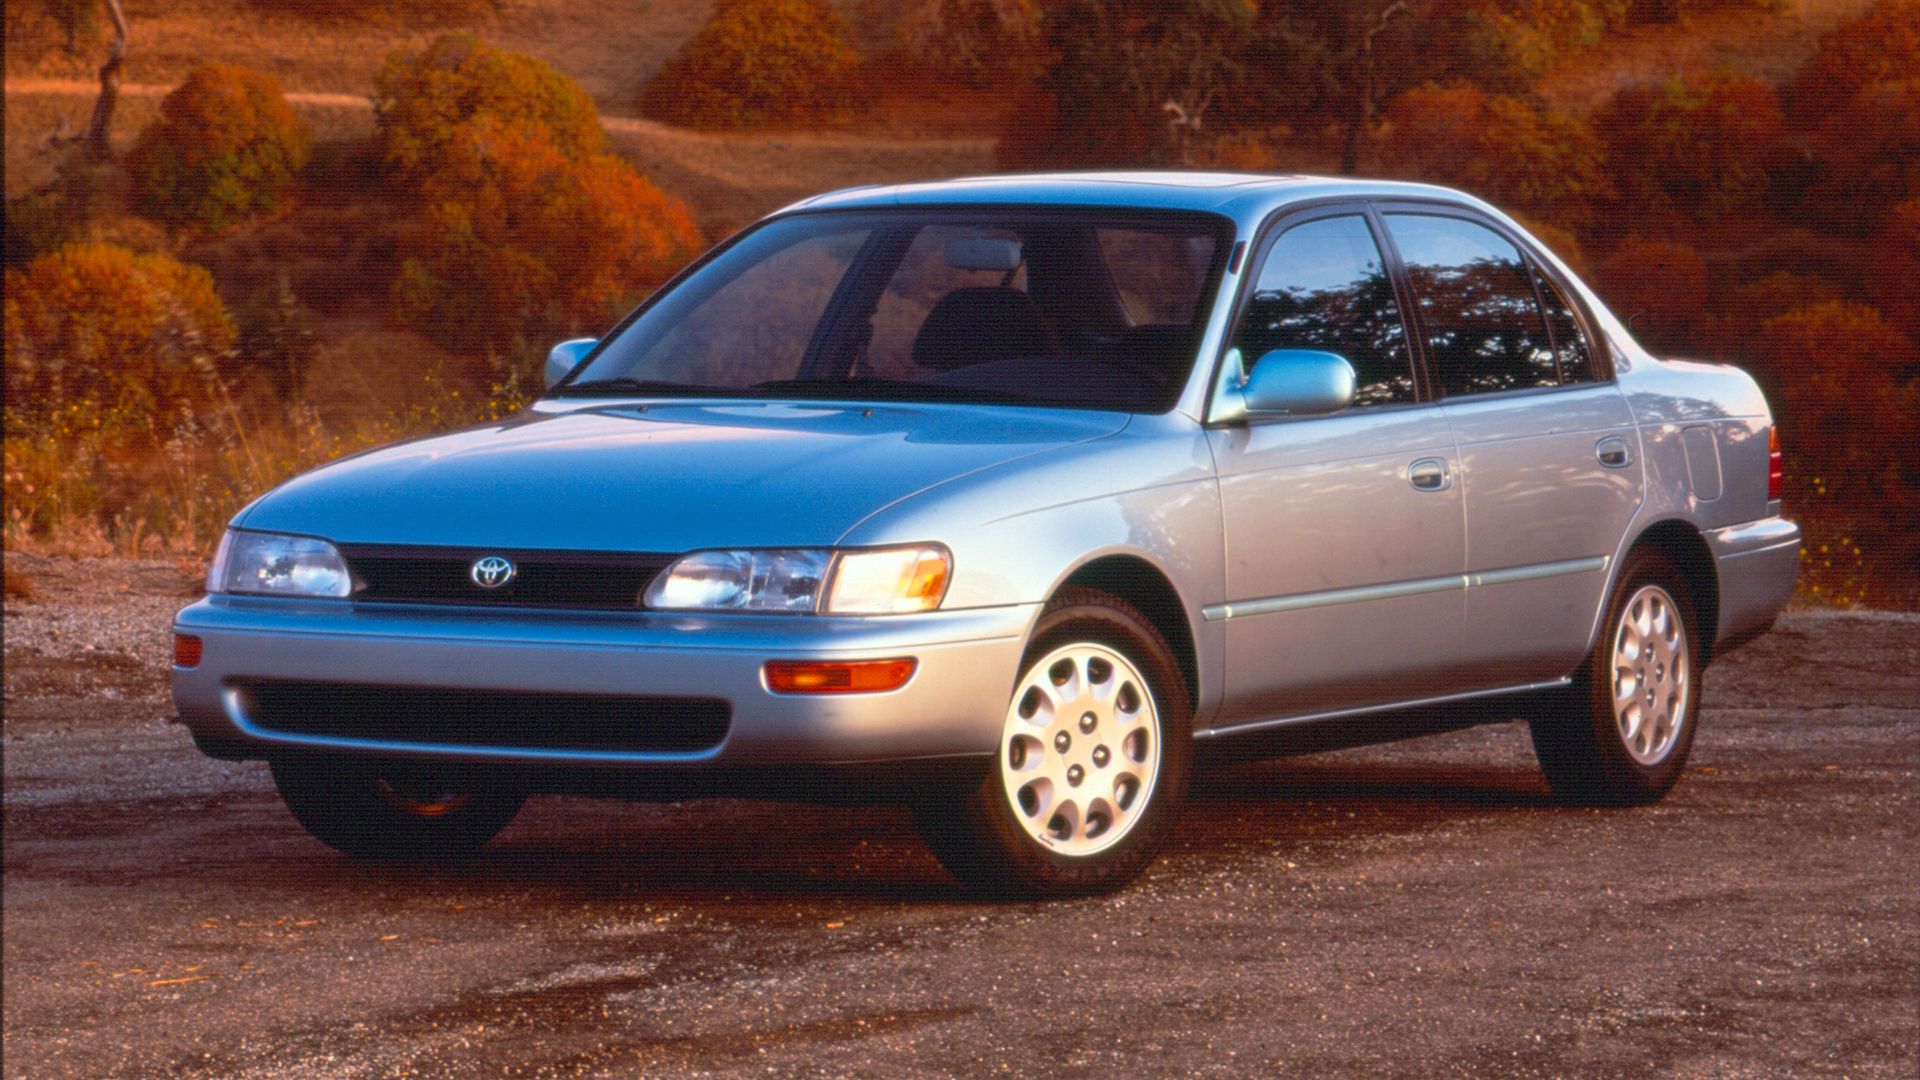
(1417, 910)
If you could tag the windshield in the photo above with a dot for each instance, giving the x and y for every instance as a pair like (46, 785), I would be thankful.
(1082, 309)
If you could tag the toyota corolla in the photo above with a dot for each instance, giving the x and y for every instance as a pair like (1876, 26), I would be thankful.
(1024, 501)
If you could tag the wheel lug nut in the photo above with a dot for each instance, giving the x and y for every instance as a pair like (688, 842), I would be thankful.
(1087, 722)
(1075, 774)
(1061, 741)
(1100, 756)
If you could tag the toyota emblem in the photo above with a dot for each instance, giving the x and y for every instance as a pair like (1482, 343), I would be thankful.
(492, 572)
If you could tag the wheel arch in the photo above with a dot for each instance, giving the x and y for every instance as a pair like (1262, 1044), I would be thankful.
(1142, 584)
(1680, 541)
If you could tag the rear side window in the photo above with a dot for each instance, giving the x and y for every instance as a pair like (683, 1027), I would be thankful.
(1477, 305)
(1570, 342)
(1324, 286)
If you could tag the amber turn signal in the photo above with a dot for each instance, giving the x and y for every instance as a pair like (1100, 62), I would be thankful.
(838, 676)
(186, 650)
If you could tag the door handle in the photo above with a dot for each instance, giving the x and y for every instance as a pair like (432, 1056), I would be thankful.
(1429, 474)
(1613, 452)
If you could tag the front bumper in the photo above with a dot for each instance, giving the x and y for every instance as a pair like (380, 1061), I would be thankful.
(1757, 564)
(953, 706)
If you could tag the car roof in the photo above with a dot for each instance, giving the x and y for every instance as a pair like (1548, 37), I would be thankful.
(1246, 196)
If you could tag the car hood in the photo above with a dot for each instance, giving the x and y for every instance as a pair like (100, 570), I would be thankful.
(661, 477)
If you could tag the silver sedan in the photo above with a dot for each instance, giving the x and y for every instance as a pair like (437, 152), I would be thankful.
(1020, 500)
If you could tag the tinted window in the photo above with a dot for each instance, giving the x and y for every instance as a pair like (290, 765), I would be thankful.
(1475, 292)
(1325, 286)
(1160, 276)
(1569, 338)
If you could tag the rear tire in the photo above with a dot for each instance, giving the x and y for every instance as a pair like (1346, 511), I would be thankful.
(391, 815)
(1092, 764)
(1623, 737)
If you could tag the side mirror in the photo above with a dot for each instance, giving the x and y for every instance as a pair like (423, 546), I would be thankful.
(1298, 382)
(566, 356)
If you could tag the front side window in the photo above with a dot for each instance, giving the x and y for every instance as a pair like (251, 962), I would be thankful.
(1475, 293)
(1324, 286)
(1077, 308)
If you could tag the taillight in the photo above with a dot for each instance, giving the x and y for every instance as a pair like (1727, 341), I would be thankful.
(186, 651)
(1776, 465)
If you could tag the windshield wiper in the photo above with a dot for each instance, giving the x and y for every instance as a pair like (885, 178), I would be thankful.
(623, 384)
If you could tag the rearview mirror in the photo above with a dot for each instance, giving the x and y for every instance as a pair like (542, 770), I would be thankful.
(1298, 382)
(566, 356)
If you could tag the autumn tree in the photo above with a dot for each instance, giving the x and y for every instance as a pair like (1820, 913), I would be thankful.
(1702, 146)
(520, 238)
(226, 144)
(422, 100)
(102, 326)
(758, 62)
(1130, 82)
(1882, 44)
(1498, 146)
(1659, 287)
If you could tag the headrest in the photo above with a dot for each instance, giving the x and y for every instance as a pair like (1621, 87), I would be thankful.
(977, 324)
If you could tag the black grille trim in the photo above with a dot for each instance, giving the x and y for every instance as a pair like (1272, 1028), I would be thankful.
(506, 719)
(408, 574)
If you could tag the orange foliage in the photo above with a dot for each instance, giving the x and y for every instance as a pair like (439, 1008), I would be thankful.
(1879, 46)
(758, 62)
(96, 326)
(422, 100)
(1701, 146)
(1659, 285)
(1845, 385)
(225, 143)
(1499, 147)
(521, 238)
(1896, 266)
(1869, 156)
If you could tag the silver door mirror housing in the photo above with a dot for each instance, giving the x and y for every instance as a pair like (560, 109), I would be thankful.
(564, 357)
(1298, 382)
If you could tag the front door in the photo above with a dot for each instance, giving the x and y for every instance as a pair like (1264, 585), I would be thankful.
(1344, 534)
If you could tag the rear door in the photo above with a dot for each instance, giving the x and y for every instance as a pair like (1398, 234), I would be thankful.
(1549, 456)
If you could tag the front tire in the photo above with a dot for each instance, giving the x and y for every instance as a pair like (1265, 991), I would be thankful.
(391, 815)
(1092, 763)
(1624, 738)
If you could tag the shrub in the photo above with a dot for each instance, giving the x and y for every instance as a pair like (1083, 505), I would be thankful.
(1895, 266)
(1882, 44)
(757, 62)
(1868, 156)
(226, 143)
(1702, 146)
(1657, 285)
(1842, 382)
(94, 327)
(422, 100)
(521, 238)
(1544, 163)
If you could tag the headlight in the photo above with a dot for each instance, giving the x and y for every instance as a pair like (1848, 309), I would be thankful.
(274, 565)
(880, 582)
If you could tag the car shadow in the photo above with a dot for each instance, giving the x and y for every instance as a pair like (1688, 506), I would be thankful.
(746, 852)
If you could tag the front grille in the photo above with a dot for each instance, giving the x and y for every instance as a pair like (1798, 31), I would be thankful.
(558, 579)
(494, 718)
